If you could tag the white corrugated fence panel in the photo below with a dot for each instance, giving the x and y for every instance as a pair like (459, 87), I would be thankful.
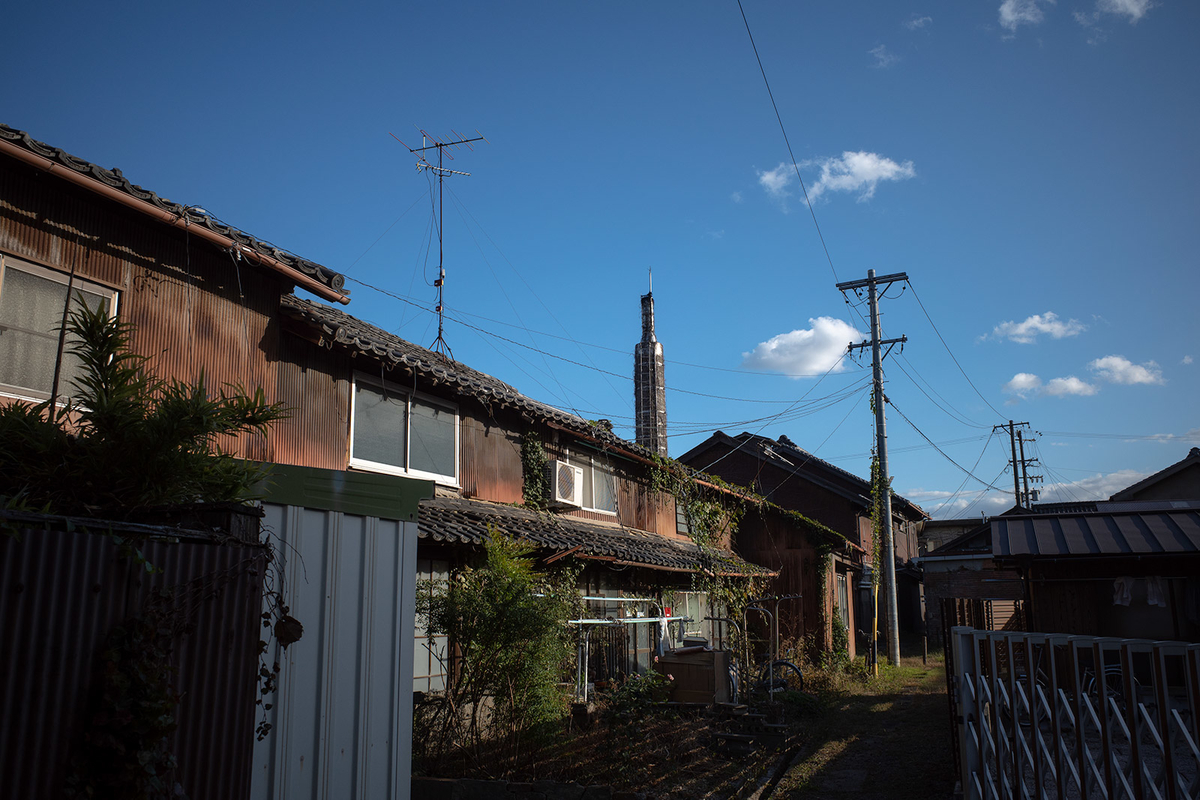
(342, 715)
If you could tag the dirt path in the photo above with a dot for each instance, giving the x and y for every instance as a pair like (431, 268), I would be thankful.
(887, 740)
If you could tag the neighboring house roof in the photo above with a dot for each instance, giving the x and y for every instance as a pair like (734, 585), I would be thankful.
(787, 455)
(455, 520)
(112, 183)
(1143, 533)
(1128, 493)
(341, 328)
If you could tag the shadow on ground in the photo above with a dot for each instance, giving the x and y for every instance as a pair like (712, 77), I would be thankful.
(889, 739)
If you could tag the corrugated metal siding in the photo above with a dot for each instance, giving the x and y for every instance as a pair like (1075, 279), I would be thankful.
(342, 726)
(1146, 533)
(490, 463)
(61, 595)
(183, 296)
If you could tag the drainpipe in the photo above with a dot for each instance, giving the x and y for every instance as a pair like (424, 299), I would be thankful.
(174, 220)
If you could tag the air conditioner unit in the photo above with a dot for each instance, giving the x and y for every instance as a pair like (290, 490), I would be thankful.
(566, 484)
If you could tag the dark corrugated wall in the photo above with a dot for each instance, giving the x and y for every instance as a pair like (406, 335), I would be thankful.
(62, 592)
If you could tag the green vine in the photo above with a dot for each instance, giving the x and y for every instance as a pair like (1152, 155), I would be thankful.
(710, 515)
(535, 488)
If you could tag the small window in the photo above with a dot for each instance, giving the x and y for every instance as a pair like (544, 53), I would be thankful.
(393, 430)
(31, 311)
(599, 484)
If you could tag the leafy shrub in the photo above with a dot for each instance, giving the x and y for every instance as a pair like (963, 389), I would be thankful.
(128, 440)
(509, 646)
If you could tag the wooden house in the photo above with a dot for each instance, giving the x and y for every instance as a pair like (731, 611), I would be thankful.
(378, 424)
(798, 481)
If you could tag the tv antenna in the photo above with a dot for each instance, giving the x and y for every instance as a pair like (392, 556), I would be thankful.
(430, 142)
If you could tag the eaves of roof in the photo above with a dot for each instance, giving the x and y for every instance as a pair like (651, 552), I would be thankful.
(337, 328)
(454, 520)
(112, 184)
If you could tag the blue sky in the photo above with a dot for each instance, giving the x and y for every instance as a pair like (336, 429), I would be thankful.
(1030, 165)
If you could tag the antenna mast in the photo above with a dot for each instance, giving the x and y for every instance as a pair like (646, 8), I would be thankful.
(430, 142)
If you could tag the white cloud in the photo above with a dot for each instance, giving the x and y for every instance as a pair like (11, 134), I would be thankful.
(715, 234)
(805, 353)
(858, 171)
(1186, 360)
(1022, 384)
(1014, 13)
(775, 181)
(1070, 385)
(1097, 487)
(736, 197)
(884, 58)
(1026, 332)
(1091, 24)
(1133, 9)
(916, 23)
(1118, 369)
(1191, 437)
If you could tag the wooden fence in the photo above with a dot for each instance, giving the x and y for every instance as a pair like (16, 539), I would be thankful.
(1058, 716)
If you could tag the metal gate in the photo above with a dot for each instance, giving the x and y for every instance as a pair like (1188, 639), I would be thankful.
(1052, 715)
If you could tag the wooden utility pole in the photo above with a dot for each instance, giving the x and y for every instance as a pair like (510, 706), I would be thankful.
(884, 487)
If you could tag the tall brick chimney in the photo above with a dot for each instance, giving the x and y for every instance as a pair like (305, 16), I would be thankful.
(649, 384)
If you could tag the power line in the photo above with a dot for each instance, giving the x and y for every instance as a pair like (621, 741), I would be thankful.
(951, 412)
(786, 141)
(964, 480)
(948, 350)
(935, 447)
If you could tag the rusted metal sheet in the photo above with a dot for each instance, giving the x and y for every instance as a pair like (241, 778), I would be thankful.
(62, 592)
(490, 462)
(196, 310)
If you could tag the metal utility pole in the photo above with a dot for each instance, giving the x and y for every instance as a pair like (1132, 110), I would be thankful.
(889, 546)
(439, 344)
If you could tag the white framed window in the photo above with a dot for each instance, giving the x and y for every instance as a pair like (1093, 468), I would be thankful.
(430, 652)
(393, 430)
(599, 483)
(31, 310)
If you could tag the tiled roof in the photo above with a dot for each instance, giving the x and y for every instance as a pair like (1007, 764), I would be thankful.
(343, 329)
(115, 180)
(459, 521)
(766, 448)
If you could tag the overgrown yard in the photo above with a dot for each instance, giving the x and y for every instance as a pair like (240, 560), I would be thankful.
(882, 738)
(886, 738)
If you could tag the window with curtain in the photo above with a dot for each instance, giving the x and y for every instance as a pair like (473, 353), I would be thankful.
(31, 311)
(395, 431)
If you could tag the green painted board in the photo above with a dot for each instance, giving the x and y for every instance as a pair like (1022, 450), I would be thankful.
(363, 493)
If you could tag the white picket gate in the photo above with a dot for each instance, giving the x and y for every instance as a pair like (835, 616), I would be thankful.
(1056, 716)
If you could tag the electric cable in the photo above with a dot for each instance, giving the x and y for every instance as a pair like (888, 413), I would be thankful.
(948, 350)
(935, 447)
(788, 142)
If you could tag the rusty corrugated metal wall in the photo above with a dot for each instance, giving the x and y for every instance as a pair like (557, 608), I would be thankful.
(186, 299)
(60, 595)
